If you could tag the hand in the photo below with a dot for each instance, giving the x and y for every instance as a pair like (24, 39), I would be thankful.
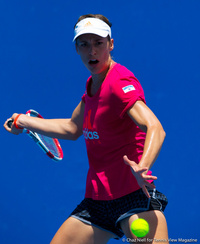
(140, 174)
(12, 129)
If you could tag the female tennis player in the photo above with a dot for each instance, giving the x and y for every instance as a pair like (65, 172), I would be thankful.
(123, 139)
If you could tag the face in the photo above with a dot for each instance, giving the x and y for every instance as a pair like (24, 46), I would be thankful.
(95, 52)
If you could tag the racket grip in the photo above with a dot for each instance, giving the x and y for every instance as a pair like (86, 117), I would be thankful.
(10, 122)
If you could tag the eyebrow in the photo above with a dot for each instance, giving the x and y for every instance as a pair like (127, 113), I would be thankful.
(95, 39)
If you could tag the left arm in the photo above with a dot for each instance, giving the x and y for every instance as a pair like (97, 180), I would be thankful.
(155, 136)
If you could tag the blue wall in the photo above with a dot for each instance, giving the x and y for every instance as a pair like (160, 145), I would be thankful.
(39, 68)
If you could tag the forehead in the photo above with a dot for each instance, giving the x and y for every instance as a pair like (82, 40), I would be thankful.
(90, 37)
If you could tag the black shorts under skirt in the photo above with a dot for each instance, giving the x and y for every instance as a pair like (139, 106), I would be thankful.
(106, 215)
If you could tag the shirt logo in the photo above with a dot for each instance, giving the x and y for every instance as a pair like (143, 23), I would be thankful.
(128, 88)
(88, 131)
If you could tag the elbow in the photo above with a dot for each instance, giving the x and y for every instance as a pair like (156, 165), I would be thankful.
(74, 138)
(158, 130)
(162, 133)
(73, 132)
(76, 135)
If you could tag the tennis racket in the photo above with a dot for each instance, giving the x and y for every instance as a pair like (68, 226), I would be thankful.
(50, 146)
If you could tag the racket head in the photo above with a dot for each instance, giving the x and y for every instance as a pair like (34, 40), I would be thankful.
(50, 146)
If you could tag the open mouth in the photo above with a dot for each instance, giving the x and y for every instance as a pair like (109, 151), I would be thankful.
(93, 61)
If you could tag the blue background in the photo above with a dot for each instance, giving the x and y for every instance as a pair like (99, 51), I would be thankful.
(39, 68)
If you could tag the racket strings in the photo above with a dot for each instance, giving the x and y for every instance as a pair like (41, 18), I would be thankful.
(51, 144)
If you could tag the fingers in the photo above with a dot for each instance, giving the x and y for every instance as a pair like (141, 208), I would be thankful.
(141, 176)
(134, 166)
(6, 125)
(126, 160)
(137, 169)
(146, 191)
(150, 177)
(10, 126)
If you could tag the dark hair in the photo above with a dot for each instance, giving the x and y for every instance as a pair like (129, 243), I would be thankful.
(98, 16)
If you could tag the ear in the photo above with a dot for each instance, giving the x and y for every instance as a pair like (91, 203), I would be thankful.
(111, 44)
(77, 50)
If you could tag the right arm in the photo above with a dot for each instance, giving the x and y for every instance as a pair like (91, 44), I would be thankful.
(69, 129)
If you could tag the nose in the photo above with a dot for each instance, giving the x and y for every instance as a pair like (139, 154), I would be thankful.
(92, 50)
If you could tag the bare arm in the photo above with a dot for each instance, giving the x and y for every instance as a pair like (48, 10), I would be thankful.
(155, 135)
(69, 129)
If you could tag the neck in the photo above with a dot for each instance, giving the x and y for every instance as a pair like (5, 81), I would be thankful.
(99, 78)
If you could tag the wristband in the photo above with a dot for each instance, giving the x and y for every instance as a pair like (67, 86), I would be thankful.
(15, 122)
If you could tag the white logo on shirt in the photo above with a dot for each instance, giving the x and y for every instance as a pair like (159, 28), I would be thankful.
(128, 88)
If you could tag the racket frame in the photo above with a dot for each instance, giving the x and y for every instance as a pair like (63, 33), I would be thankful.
(34, 136)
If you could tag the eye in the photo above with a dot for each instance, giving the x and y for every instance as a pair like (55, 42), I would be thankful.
(99, 43)
(83, 44)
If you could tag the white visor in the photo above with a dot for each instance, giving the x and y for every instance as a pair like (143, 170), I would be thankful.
(92, 26)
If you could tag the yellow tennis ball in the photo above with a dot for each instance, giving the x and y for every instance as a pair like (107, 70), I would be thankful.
(140, 227)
